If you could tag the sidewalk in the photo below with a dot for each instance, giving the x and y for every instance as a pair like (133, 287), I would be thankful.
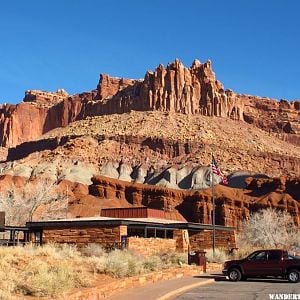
(164, 290)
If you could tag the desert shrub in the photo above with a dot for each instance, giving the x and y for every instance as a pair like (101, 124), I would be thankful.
(170, 259)
(93, 249)
(8, 261)
(51, 269)
(177, 258)
(39, 271)
(47, 250)
(7, 283)
(269, 228)
(123, 264)
(68, 251)
(153, 263)
(115, 264)
(57, 251)
(220, 255)
(97, 264)
(9, 256)
(41, 278)
(135, 265)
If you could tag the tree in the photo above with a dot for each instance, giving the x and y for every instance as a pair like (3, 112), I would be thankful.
(10, 203)
(270, 228)
(21, 203)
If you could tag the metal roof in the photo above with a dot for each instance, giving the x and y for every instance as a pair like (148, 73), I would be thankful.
(106, 221)
(17, 228)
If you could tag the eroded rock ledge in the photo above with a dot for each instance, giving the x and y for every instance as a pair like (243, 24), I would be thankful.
(174, 88)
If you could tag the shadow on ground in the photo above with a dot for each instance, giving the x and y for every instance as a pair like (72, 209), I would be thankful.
(220, 277)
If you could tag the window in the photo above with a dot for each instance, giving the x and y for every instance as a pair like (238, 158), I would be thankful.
(274, 255)
(258, 256)
(37, 236)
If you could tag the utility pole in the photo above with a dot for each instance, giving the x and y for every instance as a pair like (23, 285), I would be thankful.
(67, 206)
(213, 204)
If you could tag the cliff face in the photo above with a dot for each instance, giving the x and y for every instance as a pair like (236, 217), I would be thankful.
(45, 98)
(159, 153)
(110, 86)
(232, 205)
(281, 116)
(189, 90)
(20, 123)
(175, 88)
(28, 121)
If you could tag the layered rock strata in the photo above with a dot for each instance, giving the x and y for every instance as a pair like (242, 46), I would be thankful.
(232, 205)
(143, 153)
(175, 88)
(45, 98)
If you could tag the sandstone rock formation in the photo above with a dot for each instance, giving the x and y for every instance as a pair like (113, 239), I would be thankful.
(151, 141)
(232, 205)
(28, 121)
(185, 142)
(45, 98)
(175, 88)
(189, 90)
(110, 86)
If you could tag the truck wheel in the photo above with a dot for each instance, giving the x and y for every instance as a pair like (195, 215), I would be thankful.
(293, 276)
(234, 274)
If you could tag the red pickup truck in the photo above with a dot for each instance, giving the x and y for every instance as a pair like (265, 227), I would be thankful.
(264, 263)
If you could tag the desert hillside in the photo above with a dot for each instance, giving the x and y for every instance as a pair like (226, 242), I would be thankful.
(159, 131)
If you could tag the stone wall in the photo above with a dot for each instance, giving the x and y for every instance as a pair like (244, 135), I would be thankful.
(182, 240)
(82, 236)
(113, 286)
(204, 239)
(150, 246)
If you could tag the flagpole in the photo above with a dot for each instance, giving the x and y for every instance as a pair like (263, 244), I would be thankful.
(213, 203)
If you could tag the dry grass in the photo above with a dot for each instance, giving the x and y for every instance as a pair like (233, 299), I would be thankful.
(220, 255)
(40, 271)
(53, 270)
(124, 263)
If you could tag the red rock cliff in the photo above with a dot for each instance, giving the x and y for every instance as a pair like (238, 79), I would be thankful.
(175, 88)
(28, 121)
(232, 205)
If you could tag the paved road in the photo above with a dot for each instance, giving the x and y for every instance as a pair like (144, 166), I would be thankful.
(154, 291)
(252, 289)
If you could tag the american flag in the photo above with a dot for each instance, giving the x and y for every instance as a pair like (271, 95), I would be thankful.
(216, 170)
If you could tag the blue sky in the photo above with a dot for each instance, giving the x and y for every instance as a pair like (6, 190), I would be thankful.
(50, 44)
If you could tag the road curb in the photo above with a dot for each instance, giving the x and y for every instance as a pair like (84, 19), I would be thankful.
(184, 289)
